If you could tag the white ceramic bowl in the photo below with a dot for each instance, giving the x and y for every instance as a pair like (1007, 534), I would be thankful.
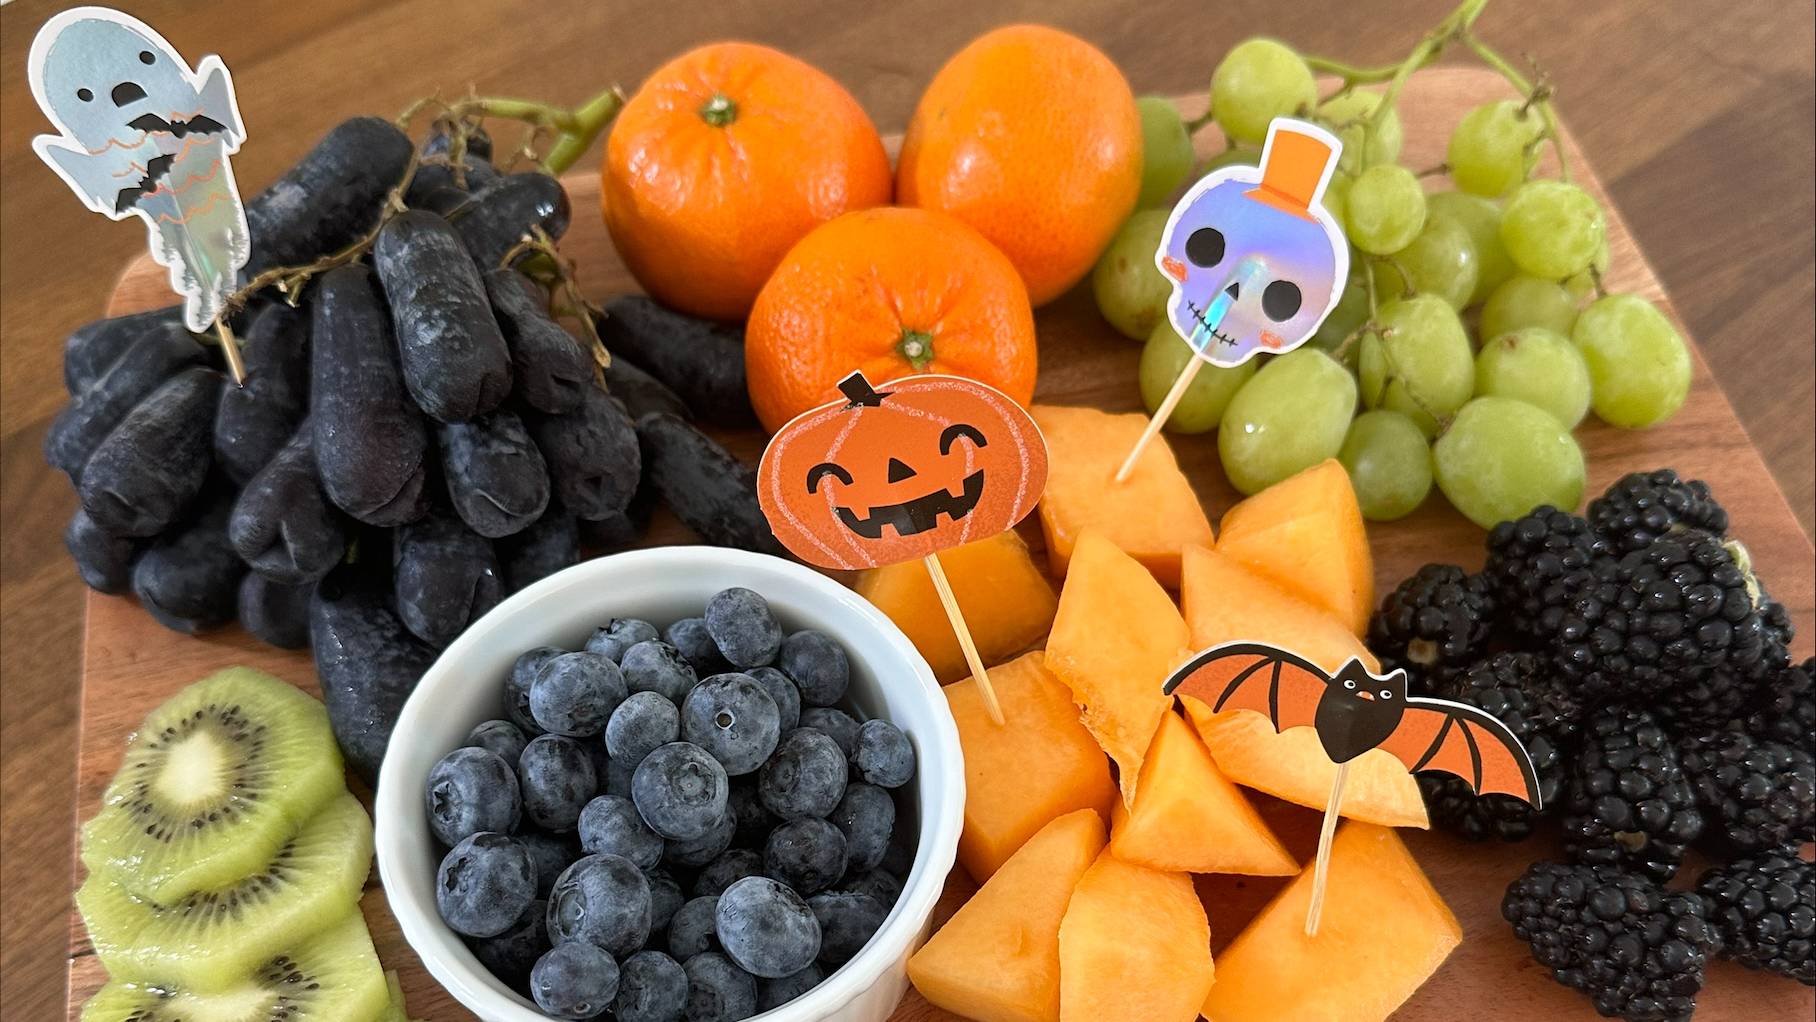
(889, 679)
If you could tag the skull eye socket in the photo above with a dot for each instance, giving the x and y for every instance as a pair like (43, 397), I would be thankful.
(821, 471)
(1204, 247)
(1281, 300)
(145, 57)
(85, 96)
(961, 429)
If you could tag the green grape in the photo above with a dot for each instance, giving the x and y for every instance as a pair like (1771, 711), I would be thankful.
(1419, 364)
(1350, 312)
(1336, 200)
(1233, 156)
(1482, 219)
(1441, 261)
(1290, 416)
(1131, 291)
(1552, 229)
(1166, 151)
(1501, 458)
(1639, 368)
(1257, 81)
(1384, 209)
(1200, 409)
(1389, 464)
(1492, 150)
(1344, 114)
(1537, 366)
(1522, 302)
(1582, 285)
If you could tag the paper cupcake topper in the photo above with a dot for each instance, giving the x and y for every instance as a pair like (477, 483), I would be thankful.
(141, 134)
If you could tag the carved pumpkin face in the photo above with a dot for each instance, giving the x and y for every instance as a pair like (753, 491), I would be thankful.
(928, 463)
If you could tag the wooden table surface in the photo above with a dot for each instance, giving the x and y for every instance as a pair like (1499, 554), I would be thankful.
(1697, 117)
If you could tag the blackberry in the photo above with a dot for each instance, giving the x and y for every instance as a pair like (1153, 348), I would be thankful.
(1501, 685)
(1764, 911)
(1637, 950)
(1434, 621)
(1787, 706)
(1535, 563)
(1646, 506)
(1628, 803)
(1755, 794)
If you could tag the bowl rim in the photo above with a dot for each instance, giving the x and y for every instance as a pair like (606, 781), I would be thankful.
(395, 799)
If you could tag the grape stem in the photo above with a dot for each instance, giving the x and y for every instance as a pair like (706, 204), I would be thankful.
(1536, 97)
(563, 278)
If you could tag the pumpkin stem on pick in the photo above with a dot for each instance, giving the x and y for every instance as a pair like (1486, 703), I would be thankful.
(859, 392)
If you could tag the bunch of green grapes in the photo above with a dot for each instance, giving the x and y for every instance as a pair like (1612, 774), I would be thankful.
(1475, 331)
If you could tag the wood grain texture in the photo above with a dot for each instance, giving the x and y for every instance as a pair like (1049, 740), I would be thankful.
(132, 664)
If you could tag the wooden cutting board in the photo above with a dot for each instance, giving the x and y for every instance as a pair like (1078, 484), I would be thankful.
(131, 664)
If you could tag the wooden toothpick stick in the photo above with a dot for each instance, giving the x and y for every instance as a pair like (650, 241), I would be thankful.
(1321, 865)
(231, 347)
(976, 663)
(1160, 417)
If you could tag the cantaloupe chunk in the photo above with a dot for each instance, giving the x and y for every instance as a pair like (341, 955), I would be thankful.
(1152, 515)
(1225, 602)
(1038, 764)
(1134, 947)
(1383, 932)
(1006, 599)
(997, 958)
(1306, 534)
(1116, 637)
(1190, 818)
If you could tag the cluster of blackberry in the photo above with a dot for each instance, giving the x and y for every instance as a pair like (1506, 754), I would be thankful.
(1636, 656)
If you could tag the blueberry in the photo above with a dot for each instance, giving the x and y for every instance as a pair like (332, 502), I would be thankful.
(618, 774)
(783, 691)
(681, 791)
(847, 922)
(898, 859)
(575, 693)
(866, 816)
(603, 900)
(517, 687)
(766, 928)
(664, 898)
(552, 854)
(640, 725)
(602, 760)
(754, 820)
(511, 954)
(741, 625)
(807, 855)
(557, 778)
(618, 635)
(884, 757)
(818, 666)
(574, 980)
(732, 865)
(695, 643)
(773, 993)
(652, 987)
(880, 884)
(656, 666)
(837, 724)
(717, 990)
(693, 928)
(703, 849)
(484, 884)
(610, 825)
(499, 736)
(732, 717)
(471, 790)
(806, 776)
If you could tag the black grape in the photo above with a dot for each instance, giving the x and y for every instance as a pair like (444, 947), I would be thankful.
(446, 577)
(641, 393)
(550, 544)
(435, 187)
(496, 477)
(592, 455)
(712, 492)
(189, 579)
(153, 357)
(454, 358)
(283, 525)
(548, 365)
(257, 418)
(92, 347)
(331, 198)
(366, 660)
(102, 559)
(275, 613)
(148, 471)
(698, 359)
(503, 212)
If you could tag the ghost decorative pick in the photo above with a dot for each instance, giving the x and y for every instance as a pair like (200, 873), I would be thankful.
(1255, 260)
(924, 464)
(141, 134)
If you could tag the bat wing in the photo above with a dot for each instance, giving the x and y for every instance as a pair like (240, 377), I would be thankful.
(1436, 734)
(1254, 676)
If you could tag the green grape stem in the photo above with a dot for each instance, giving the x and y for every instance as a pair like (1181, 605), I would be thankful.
(1538, 98)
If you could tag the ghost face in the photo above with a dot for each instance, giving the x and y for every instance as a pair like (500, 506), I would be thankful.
(98, 76)
(1282, 270)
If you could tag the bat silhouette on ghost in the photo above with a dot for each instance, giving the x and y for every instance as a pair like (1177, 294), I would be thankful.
(141, 134)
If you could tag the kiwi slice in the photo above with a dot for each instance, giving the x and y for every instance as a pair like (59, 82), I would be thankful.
(333, 976)
(209, 940)
(215, 781)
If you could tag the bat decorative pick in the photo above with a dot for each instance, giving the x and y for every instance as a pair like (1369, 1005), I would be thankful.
(1354, 711)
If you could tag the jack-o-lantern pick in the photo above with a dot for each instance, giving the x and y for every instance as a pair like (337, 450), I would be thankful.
(923, 465)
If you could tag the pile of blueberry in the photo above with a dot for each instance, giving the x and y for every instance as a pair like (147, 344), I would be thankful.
(672, 825)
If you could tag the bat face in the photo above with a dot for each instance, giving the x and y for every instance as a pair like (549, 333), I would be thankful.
(1358, 711)
(97, 75)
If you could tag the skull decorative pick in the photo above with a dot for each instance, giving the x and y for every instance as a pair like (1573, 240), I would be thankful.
(1255, 259)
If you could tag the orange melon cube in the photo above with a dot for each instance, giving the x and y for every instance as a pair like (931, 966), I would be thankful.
(997, 958)
(1152, 515)
(1115, 638)
(1005, 597)
(1383, 932)
(1038, 764)
(1306, 534)
(1134, 947)
(1190, 818)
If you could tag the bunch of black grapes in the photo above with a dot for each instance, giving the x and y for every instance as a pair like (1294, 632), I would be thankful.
(416, 438)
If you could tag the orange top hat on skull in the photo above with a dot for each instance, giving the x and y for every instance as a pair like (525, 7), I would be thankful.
(1296, 163)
